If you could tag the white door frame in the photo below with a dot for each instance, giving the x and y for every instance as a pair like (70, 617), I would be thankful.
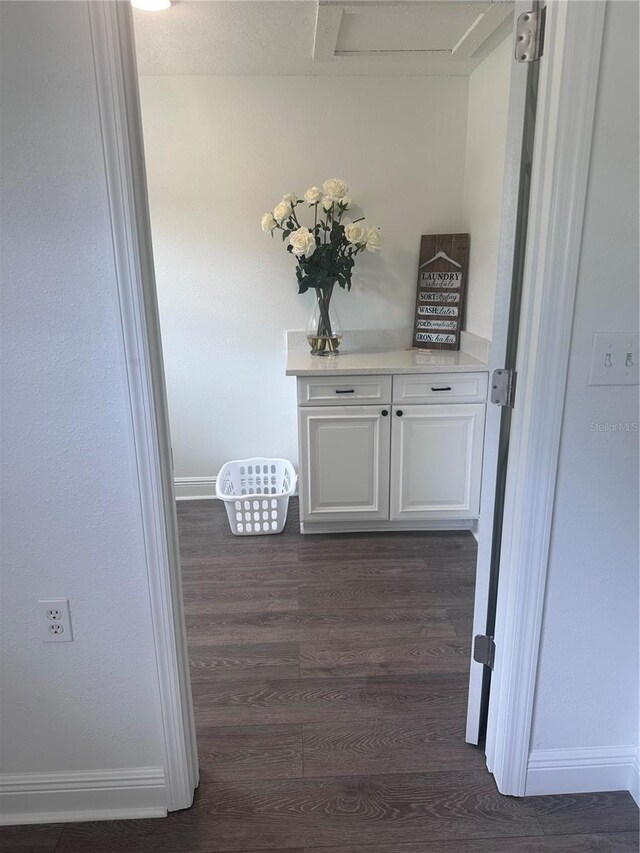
(564, 128)
(497, 359)
(116, 73)
(566, 105)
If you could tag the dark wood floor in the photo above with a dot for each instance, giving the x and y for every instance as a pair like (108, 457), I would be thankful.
(329, 679)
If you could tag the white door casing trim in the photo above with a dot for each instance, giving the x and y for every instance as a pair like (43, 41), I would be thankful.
(118, 99)
(564, 128)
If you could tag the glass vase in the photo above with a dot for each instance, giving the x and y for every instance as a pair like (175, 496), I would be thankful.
(324, 331)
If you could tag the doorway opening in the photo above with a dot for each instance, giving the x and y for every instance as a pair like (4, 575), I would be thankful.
(295, 637)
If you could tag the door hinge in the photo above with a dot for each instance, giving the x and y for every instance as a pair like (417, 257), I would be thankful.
(530, 36)
(503, 387)
(484, 650)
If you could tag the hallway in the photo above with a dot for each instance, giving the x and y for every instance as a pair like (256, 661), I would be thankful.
(329, 679)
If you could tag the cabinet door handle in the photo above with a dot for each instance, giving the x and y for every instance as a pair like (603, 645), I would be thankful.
(445, 388)
(345, 391)
(385, 413)
(399, 413)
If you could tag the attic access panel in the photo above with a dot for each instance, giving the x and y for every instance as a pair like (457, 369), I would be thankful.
(443, 37)
(417, 27)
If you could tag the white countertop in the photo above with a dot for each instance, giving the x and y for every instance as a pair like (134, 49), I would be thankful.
(362, 363)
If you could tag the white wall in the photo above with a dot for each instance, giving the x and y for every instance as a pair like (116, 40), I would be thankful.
(483, 182)
(222, 150)
(70, 513)
(587, 693)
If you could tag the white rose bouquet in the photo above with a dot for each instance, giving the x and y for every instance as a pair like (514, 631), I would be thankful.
(325, 252)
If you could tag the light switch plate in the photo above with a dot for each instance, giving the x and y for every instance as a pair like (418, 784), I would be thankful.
(614, 359)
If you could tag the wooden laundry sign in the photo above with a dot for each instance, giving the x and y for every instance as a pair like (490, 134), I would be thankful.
(442, 277)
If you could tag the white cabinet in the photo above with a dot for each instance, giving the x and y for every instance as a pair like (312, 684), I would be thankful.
(436, 461)
(413, 464)
(344, 462)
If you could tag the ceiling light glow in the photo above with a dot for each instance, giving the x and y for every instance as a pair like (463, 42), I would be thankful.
(151, 5)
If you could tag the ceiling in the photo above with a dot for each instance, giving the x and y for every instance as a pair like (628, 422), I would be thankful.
(320, 37)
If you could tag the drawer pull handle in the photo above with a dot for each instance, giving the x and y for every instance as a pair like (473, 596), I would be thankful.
(345, 391)
(446, 388)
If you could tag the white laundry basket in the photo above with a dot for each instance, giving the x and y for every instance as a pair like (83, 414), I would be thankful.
(256, 494)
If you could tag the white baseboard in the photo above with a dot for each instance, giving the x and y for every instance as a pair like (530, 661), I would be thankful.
(582, 770)
(195, 488)
(136, 792)
(634, 778)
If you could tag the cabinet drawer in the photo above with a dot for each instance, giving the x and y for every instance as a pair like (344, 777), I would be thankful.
(440, 388)
(343, 390)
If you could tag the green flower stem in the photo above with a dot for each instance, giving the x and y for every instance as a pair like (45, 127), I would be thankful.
(324, 322)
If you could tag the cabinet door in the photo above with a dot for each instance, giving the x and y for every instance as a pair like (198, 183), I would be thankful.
(344, 464)
(436, 461)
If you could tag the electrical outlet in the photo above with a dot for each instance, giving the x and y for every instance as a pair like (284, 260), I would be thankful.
(614, 359)
(55, 620)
